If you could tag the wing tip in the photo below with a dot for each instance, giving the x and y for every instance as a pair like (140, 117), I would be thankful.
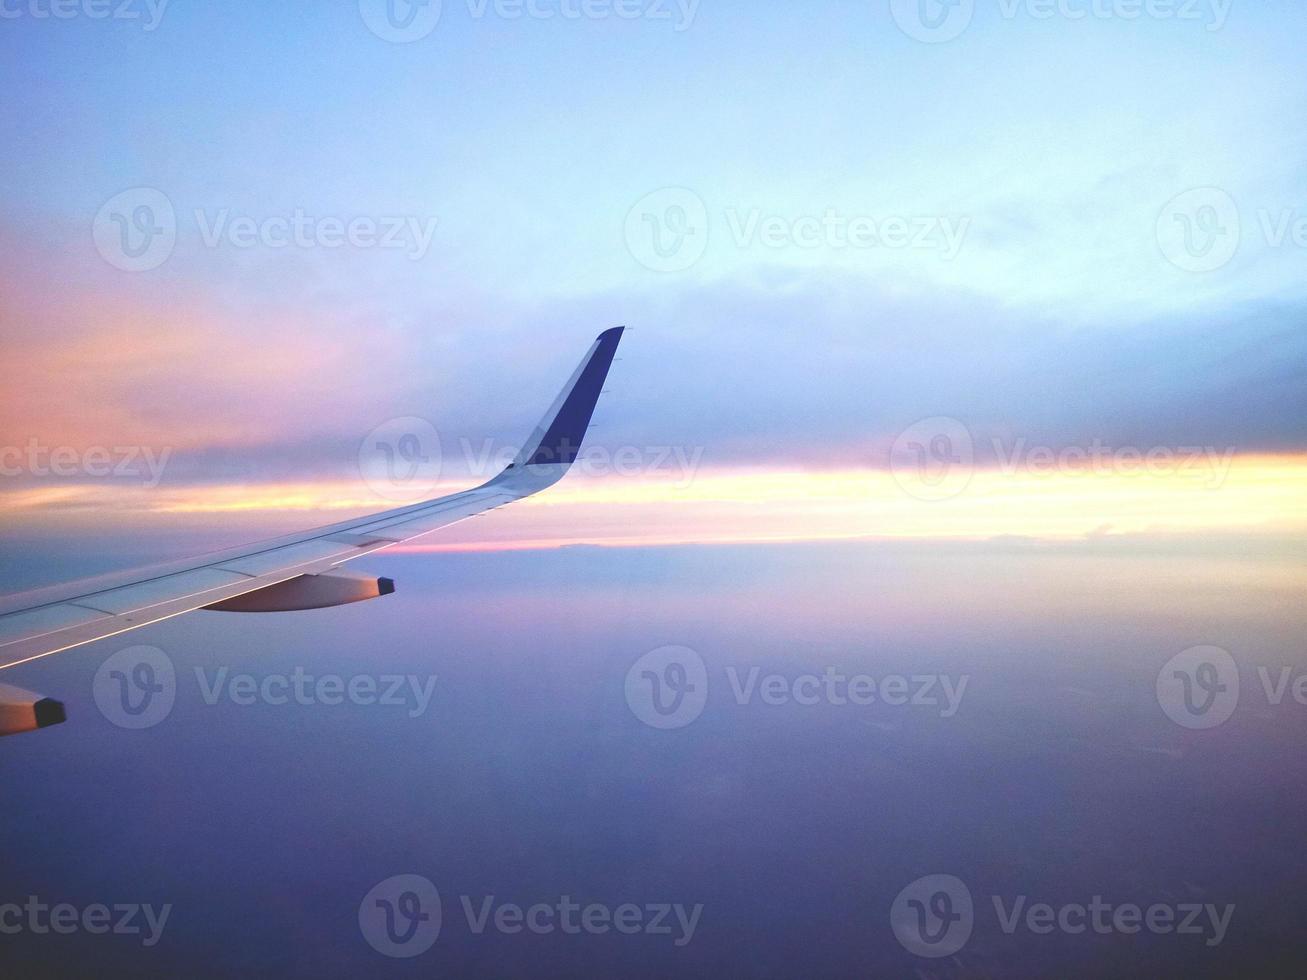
(49, 712)
(565, 430)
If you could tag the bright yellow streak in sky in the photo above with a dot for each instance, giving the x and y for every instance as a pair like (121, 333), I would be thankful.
(1257, 494)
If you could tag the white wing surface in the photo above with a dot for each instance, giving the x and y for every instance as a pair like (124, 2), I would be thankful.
(299, 571)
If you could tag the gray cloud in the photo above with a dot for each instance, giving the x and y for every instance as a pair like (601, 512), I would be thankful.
(824, 370)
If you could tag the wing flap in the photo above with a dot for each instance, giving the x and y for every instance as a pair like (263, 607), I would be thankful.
(403, 528)
(45, 620)
(291, 556)
(130, 598)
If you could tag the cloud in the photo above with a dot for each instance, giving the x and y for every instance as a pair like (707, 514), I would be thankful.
(779, 367)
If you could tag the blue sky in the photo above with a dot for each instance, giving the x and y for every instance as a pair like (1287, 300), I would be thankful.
(530, 139)
(1045, 149)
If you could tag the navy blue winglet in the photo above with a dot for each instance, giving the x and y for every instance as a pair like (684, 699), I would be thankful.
(562, 441)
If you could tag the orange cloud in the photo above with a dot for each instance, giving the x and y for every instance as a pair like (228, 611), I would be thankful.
(107, 365)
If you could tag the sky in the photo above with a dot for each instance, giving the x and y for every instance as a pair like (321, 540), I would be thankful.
(966, 343)
(834, 246)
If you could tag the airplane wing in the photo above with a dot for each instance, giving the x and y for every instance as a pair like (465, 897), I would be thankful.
(300, 571)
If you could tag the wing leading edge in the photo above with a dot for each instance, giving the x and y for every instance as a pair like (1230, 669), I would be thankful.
(285, 567)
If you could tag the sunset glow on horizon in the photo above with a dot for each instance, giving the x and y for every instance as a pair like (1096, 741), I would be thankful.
(1257, 495)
